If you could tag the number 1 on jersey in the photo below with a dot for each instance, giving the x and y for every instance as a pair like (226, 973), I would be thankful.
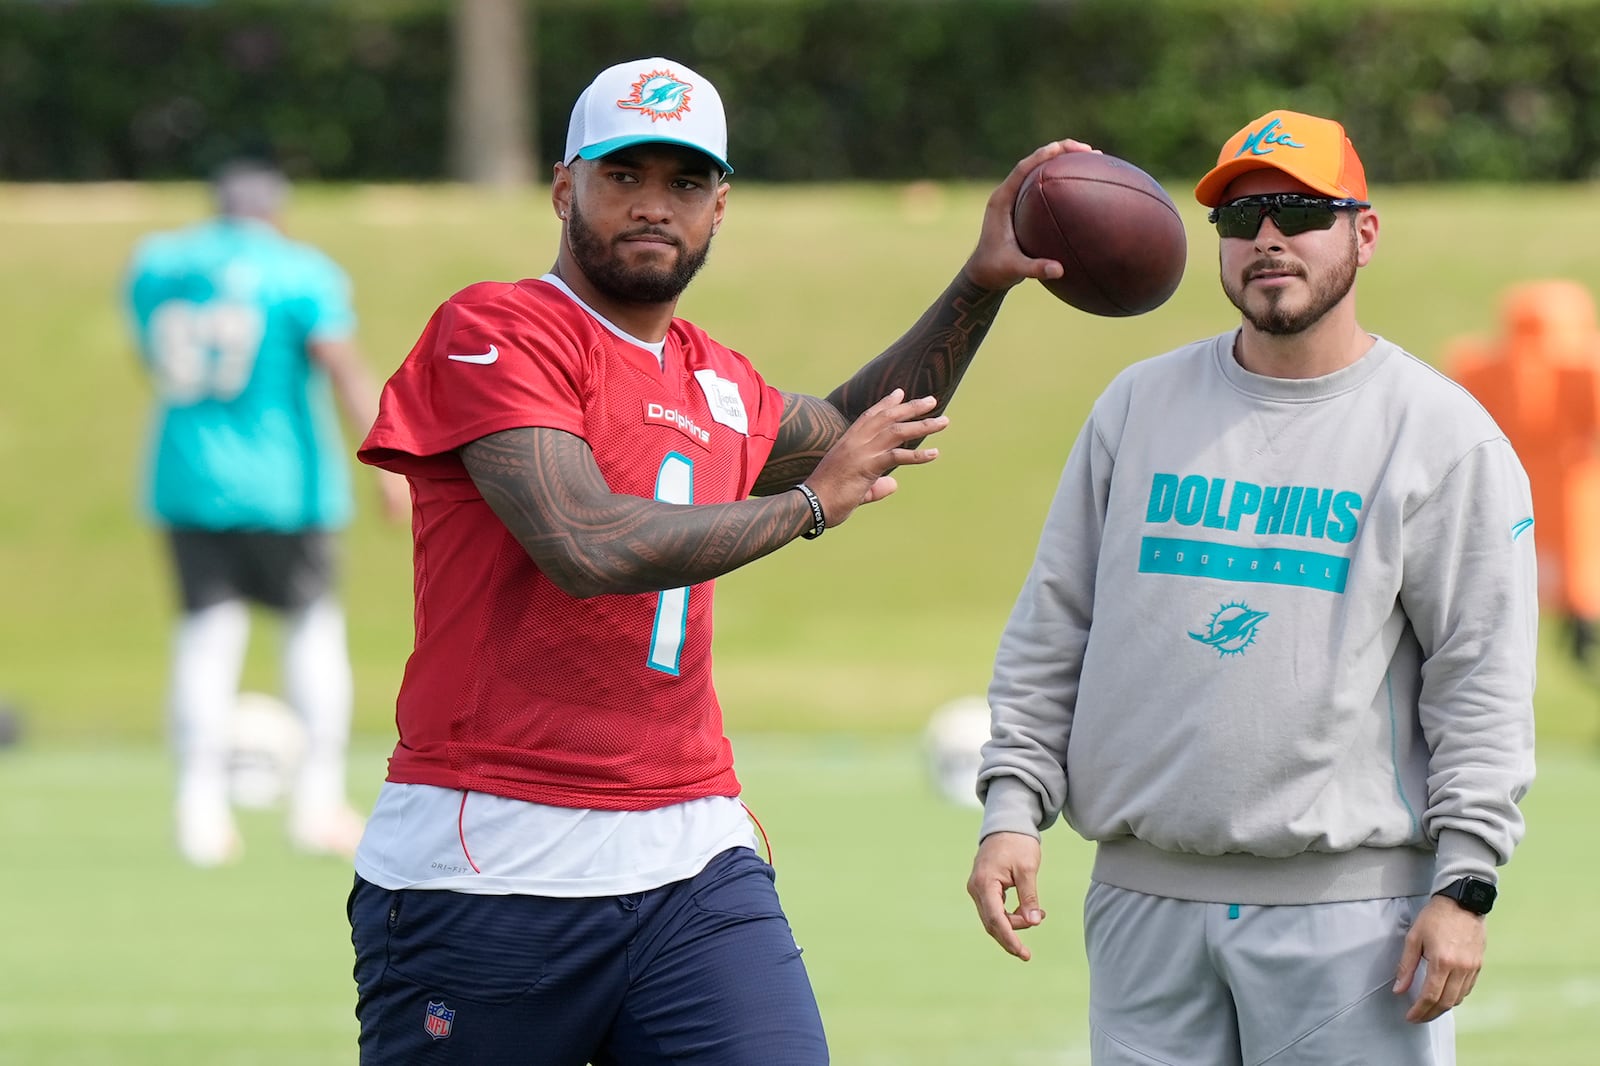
(674, 484)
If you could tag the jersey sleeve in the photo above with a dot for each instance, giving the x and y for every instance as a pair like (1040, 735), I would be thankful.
(768, 413)
(141, 292)
(329, 312)
(478, 368)
(764, 422)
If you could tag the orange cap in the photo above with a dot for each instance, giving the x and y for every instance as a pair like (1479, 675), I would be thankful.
(1315, 151)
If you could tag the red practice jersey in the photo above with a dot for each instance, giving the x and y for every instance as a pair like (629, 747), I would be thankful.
(515, 688)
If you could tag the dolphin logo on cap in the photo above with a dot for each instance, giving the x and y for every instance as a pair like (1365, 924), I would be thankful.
(659, 94)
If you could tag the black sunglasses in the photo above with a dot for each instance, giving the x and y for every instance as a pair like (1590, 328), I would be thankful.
(1291, 213)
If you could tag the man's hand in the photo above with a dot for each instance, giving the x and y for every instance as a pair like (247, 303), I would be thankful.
(1005, 861)
(854, 470)
(1451, 938)
(997, 262)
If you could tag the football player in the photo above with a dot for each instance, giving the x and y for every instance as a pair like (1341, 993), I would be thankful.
(558, 869)
(247, 336)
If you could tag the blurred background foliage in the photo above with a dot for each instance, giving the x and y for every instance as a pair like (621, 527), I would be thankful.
(816, 89)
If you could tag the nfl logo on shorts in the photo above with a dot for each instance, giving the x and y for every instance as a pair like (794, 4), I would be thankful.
(439, 1020)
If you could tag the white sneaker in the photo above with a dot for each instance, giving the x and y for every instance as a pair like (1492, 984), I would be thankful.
(327, 831)
(207, 836)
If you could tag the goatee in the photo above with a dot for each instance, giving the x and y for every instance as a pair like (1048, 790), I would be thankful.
(644, 285)
(1280, 318)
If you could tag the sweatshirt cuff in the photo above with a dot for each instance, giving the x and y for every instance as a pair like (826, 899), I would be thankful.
(1010, 806)
(1461, 854)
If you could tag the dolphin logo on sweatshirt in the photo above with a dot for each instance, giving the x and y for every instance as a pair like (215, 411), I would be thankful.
(1232, 629)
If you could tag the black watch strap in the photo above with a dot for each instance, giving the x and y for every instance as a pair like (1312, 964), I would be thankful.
(1472, 893)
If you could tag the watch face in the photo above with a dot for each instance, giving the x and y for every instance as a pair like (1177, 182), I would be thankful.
(1477, 895)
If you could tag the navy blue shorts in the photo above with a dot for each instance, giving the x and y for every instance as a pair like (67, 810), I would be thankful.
(704, 971)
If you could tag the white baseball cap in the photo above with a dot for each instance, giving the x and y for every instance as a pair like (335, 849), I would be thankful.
(647, 101)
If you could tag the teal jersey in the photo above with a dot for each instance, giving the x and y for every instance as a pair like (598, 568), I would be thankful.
(245, 434)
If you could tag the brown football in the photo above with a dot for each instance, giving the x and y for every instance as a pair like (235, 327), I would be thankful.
(1112, 227)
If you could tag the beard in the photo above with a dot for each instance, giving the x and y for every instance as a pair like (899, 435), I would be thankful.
(1280, 318)
(645, 285)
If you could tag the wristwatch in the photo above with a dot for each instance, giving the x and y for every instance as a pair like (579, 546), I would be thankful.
(1472, 893)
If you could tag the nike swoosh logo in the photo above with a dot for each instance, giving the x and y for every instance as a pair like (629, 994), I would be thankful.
(482, 360)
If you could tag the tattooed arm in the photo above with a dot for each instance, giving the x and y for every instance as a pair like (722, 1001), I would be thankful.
(809, 427)
(928, 361)
(931, 357)
(545, 485)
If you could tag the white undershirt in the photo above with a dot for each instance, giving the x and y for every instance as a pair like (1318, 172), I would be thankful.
(423, 836)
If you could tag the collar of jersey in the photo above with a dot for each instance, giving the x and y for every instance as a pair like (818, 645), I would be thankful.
(656, 348)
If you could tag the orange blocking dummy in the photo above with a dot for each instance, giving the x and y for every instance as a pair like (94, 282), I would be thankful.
(1540, 380)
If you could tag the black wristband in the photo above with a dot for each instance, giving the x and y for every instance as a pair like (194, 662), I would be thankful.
(818, 521)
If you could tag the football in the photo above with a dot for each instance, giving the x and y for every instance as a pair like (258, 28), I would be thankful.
(952, 744)
(266, 744)
(1111, 226)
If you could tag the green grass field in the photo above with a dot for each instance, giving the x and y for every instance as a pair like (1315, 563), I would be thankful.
(114, 952)
(831, 654)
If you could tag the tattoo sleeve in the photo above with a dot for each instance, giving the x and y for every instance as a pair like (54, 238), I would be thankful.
(809, 427)
(545, 486)
(930, 359)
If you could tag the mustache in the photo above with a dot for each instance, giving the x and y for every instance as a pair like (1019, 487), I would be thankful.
(648, 231)
(1272, 266)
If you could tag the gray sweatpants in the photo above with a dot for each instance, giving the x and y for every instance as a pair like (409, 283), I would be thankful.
(1179, 983)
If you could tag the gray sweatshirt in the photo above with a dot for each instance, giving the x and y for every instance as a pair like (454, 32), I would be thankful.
(1277, 643)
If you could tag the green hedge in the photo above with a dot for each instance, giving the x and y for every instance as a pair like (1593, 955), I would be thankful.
(127, 89)
(828, 89)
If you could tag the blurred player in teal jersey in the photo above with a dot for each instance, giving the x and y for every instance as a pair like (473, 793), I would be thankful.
(247, 336)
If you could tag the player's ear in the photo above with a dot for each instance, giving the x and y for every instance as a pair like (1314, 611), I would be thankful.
(722, 206)
(1366, 236)
(561, 190)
